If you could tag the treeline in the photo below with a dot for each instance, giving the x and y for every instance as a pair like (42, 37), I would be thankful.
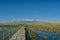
(10, 25)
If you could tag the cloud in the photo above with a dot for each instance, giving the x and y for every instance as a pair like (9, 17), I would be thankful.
(14, 20)
(17, 20)
(9, 20)
(27, 20)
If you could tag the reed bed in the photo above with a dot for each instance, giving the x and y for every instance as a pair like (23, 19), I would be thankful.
(50, 28)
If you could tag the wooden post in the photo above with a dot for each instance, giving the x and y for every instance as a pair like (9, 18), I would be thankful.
(45, 38)
(12, 31)
(9, 33)
(3, 35)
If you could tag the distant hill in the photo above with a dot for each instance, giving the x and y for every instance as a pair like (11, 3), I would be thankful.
(25, 22)
(20, 22)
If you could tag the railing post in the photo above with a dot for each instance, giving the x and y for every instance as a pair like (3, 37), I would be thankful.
(12, 31)
(3, 35)
(9, 33)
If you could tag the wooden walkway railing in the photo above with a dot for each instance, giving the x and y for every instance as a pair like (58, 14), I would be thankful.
(19, 35)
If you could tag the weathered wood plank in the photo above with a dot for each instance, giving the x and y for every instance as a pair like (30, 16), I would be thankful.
(19, 35)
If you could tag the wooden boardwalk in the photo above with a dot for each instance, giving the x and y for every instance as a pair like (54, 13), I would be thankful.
(19, 35)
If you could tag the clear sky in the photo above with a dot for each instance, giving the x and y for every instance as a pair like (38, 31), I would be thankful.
(41, 10)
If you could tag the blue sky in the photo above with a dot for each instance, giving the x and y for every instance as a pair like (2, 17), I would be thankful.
(41, 10)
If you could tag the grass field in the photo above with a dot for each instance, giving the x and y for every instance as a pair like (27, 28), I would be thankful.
(44, 27)
(47, 27)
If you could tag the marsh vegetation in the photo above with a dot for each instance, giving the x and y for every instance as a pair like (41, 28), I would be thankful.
(47, 31)
(7, 31)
